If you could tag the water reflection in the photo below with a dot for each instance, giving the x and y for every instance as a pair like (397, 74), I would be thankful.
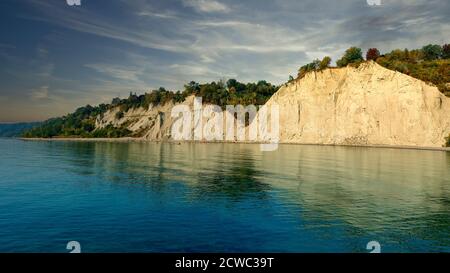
(303, 194)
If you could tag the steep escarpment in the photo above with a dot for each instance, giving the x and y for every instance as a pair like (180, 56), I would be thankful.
(368, 105)
(364, 105)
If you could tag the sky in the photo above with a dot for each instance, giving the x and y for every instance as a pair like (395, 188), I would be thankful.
(55, 57)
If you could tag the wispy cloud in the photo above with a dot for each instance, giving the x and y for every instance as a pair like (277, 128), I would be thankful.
(207, 5)
(40, 93)
(87, 21)
(127, 73)
(156, 14)
(96, 53)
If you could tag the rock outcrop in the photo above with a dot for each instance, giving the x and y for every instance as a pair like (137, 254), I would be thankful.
(368, 105)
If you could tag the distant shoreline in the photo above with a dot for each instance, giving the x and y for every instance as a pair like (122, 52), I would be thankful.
(131, 139)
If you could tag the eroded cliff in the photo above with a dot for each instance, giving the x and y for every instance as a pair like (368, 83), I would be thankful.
(368, 105)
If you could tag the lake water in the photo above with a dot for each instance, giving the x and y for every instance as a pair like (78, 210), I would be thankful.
(152, 197)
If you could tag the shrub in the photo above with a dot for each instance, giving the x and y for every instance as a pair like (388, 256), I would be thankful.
(315, 65)
(110, 132)
(119, 115)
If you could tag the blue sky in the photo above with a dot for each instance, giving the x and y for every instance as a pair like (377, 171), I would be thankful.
(55, 57)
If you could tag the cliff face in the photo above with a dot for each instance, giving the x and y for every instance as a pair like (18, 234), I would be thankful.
(369, 105)
(154, 123)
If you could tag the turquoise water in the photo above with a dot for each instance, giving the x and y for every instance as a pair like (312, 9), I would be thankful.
(150, 197)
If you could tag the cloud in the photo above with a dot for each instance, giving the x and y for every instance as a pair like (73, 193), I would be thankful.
(127, 73)
(156, 14)
(90, 22)
(93, 57)
(194, 69)
(206, 5)
(215, 45)
(40, 93)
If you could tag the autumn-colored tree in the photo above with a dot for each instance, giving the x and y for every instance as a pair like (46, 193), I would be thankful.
(372, 54)
(446, 51)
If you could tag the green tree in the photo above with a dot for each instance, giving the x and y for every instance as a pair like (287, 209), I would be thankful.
(432, 52)
(326, 61)
(115, 101)
(313, 66)
(352, 55)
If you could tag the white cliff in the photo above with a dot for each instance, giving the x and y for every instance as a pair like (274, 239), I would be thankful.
(368, 105)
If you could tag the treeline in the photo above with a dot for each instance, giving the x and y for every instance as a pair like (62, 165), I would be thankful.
(232, 92)
(431, 63)
(81, 123)
(221, 93)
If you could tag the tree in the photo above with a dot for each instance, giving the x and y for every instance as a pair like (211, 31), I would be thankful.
(432, 52)
(192, 87)
(115, 101)
(446, 51)
(326, 61)
(352, 55)
(372, 54)
(341, 62)
(314, 66)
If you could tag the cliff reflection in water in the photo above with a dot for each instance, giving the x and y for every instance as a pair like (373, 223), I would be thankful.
(387, 194)
(223, 197)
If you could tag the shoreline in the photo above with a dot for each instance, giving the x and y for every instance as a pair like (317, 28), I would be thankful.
(142, 140)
